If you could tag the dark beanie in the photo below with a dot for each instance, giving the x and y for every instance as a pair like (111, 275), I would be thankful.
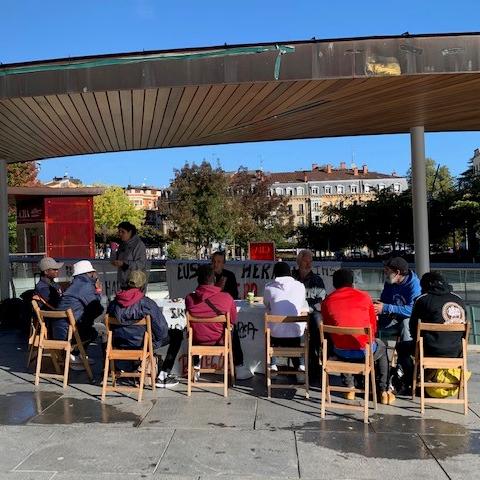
(397, 263)
(343, 278)
(432, 280)
(282, 269)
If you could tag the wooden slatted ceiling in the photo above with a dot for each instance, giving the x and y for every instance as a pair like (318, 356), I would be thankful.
(69, 124)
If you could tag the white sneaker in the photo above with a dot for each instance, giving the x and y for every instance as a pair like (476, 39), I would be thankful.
(242, 372)
(76, 359)
(165, 380)
(196, 373)
(301, 368)
(273, 368)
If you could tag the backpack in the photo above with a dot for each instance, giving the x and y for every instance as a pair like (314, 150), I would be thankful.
(445, 375)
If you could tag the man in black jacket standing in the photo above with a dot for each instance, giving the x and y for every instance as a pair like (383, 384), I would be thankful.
(225, 279)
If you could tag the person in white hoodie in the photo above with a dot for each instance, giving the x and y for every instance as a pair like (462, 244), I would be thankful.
(285, 296)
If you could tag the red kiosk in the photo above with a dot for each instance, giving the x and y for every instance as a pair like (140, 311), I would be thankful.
(56, 222)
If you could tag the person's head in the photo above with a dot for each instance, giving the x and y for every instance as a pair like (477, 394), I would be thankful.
(304, 260)
(431, 281)
(395, 269)
(49, 267)
(136, 279)
(343, 278)
(281, 269)
(126, 231)
(84, 267)
(206, 275)
(218, 262)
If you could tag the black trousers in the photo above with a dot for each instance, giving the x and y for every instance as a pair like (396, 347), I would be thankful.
(175, 342)
(380, 358)
(236, 350)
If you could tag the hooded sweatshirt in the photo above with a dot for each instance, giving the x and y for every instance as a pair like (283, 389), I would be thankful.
(285, 296)
(134, 256)
(439, 305)
(128, 307)
(196, 304)
(398, 298)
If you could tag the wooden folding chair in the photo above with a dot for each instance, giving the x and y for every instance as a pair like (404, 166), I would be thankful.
(366, 368)
(296, 352)
(144, 355)
(422, 363)
(47, 347)
(224, 351)
(34, 336)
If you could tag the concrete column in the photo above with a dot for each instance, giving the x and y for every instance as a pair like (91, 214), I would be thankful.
(4, 263)
(419, 201)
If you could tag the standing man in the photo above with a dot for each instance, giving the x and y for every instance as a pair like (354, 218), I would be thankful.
(315, 294)
(225, 279)
(46, 288)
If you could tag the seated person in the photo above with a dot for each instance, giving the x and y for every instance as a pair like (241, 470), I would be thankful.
(49, 292)
(131, 305)
(83, 297)
(315, 293)
(208, 301)
(400, 290)
(285, 296)
(349, 307)
(225, 279)
(437, 304)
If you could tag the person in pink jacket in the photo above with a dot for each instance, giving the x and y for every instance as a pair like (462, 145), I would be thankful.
(209, 301)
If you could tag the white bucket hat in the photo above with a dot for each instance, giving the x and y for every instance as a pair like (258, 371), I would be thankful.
(83, 266)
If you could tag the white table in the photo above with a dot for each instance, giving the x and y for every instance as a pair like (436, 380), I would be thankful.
(250, 324)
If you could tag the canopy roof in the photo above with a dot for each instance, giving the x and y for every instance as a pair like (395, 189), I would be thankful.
(243, 93)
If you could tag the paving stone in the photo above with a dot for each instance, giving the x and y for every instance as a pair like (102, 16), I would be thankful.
(74, 410)
(97, 449)
(201, 412)
(18, 442)
(459, 456)
(342, 455)
(229, 452)
(27, 476)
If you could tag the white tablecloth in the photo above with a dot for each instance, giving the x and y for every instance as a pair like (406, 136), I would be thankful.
(250, 324)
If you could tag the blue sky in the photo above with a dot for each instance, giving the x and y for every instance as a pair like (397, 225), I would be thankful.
(33, 30)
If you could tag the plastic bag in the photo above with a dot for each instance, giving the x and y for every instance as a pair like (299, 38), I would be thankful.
(445, 375)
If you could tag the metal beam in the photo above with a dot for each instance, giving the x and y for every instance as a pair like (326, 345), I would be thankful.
(4, 263)
(419, 201)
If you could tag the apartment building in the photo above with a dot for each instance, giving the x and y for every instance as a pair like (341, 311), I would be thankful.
(144, 197)
(310, 191)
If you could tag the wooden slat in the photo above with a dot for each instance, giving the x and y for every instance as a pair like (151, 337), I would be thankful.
(127, 117)
(158, 113)
(116, 111)
(138, 98)
(171, 108)
(91, 105)
(103, 106)
(148, 110)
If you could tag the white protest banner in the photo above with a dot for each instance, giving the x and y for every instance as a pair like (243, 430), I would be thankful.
(251, 275)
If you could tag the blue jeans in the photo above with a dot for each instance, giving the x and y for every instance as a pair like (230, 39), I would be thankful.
(389, 325)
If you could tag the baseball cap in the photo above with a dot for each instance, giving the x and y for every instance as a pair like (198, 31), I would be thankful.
(83, 266)
(136, 279)
(48, 263)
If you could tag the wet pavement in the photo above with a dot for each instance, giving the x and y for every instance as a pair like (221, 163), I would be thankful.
(47, 432)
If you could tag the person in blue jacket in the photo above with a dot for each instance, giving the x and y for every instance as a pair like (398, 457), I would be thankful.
(400, 290)
(46, 288)
(83, 297)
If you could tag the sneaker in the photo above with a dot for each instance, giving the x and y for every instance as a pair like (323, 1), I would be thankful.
(391, 398)
(301, 368)
(242, 372)
(166, 380)
(384, 398)
(273, 368)
(196, 373)
(76, 359)
(350, 395)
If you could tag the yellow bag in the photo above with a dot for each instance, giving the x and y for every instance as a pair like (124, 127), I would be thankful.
(445, 375)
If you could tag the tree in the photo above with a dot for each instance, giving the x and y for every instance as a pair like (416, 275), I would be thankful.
(259, 215)
(22, 174)
(202, 211)
(112, 207)
(439, 179)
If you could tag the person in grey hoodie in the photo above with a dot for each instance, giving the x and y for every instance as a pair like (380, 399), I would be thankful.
(131, 254)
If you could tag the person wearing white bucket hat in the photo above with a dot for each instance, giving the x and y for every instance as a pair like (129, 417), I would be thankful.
(83, 297)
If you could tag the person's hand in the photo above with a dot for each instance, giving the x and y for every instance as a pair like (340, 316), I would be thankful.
(98, 286)
(378, 306)
(117, 263)
(221, 283)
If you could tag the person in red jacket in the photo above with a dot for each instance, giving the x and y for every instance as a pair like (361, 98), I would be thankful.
(209, 301)
(349, 307)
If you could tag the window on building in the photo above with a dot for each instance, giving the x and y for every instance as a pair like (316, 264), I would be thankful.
(353, 188)
(340, 189)
(300, 208)
(316, 206)
(279, 191)
(317, 218)
(290, 209)
(301, 221)
(314, 190)
(396, 187)
(328, 190)
(366, 188)
(288, 191)
(300, 191)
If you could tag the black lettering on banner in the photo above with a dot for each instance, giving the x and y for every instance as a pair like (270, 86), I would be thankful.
(193, 270)
(179, 271)
(265, 271)
(247, 270)
(255, 272)
(246, 330)
(176, 313)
